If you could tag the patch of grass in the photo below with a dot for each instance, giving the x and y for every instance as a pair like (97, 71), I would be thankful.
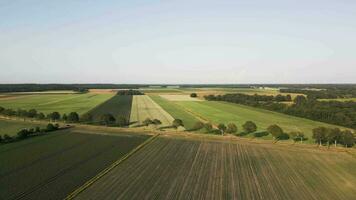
(63, 103)
(52, 166)
(11, 127)
(221, 112)
(340, 99)
(176, 111)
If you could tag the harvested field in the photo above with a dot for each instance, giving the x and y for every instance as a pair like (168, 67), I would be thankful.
(119, 105)
(187, 169)
(12, 127)
(144, 107)
(177, 97)
(63, 103)
(52, 166)
(176, 111)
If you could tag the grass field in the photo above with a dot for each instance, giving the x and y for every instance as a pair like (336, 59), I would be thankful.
(187, 169)
(178, 97)
(144, 107)
(12, 127)
(63, 103)
(52, 166)
(340, 99)
(221, 112)
(119, 105)
(176, 111)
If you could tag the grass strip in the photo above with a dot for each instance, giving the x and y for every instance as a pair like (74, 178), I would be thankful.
(107, 170)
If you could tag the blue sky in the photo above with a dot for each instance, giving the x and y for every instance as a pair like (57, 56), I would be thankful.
(178, 41)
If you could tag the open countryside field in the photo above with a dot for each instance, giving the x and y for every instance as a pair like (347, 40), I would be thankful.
(176, 111)
(12, 127)
(119, 105)
(144, 107)
(188, 169)
(340, 99)
(221, 112)
(63, 103)
(52, 166)
(177, 97)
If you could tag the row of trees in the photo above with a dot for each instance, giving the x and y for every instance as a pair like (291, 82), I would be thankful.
(129, 92)
(334, 112)
(25, 133)
(324, 135)
(330, 92)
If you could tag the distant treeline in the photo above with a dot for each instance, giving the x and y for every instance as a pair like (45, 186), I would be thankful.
(129, 92)
(330, 93)
(333, 112)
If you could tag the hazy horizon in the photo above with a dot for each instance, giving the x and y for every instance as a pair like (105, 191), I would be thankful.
(178, 42)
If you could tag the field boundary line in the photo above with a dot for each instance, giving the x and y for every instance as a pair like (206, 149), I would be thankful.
(108, 169)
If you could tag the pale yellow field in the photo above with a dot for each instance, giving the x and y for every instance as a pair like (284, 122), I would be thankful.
(144, 107)
(177, 97)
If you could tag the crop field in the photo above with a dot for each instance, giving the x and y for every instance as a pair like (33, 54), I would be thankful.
(187, 169)
(144, 107)
(119, 105)
(340, 99)
(11, 127)
(176, 111)
(221, 112)
(63, 103)
(52, 166)
(177, 97)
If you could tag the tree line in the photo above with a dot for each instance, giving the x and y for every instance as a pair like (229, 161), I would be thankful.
(328, 93)
(129, 92)
(333, 112)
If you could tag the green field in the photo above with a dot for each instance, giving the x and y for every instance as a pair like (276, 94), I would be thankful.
(176, 111)
(221, 112)
(340, 99)
(187, 169)
(52, 166)
(62, 103)
(12, 127)
(117, 105)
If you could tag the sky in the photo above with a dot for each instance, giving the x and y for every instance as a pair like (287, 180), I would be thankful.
(178, 41)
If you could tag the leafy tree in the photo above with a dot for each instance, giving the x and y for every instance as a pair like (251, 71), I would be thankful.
(249, 127)
(156, 122)
(54, 116)
(87, 117)
(122, 121)
(65, 117)
(198, 125)
(177, 123)
(319, 134)
(297, 135)
(50, 127)
(300, 100)
(73, 117)
(147, 122)
(347, 138)
(40, 116)
(107, 119)
(275, 131)
(222, 128)
(332, 135)
(231, 128)
(194, 95)
(208, 127)
(23, 134)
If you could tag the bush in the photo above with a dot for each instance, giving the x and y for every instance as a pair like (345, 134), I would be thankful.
(37, 129)
(73, 117)
(249, 127)
(231, 128)
(7, 138)
(50, 127)
(122, 121)
(22, 134)
(222, 128)
(87, 117)
(284, 136)
(156, 122)
(177, 123)
(147, 122)
(198, 125)
(260, 133)
(194, 95)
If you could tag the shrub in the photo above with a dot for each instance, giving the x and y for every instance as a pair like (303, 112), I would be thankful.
(222, 128)
(198, 125)
(177, 123)
(260, 133)
(156, 122)
(73, 117)
(147, 122)
(194, 95)
(249, 127)
(208, 127)
(22, 134)
(122, 121)
(231, 128)
(87, 117)
(7, 138)
(50, 127)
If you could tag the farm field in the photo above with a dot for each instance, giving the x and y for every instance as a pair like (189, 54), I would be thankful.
(340, 99)
(177, 97)
(222, 112)
(188, 169)
(119, 105)
(12, 127)
(54, 165)
(176, 111)
(63, 103)
(144, 107)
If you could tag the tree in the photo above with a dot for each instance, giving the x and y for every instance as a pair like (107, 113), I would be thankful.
(297, 135)
(87, 117)
(0, 135)
(32, 113)
(231, 128)
(1, 109)
(40, 116)
(288, 97)
(275, 131)
(177, 123)
(122, 121)
(156, 122)
(208, 127)
(319, 134)
(147, 122)
(332, 135)
(23, 134)
(7, 138)
(222, 128)
(55, 116)
(107, 119)
(65, 117)
(73, 117)
(194, 95)
(300, 100)
(249, 127)
(50, 127)
(347, 138)
(198, 125)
